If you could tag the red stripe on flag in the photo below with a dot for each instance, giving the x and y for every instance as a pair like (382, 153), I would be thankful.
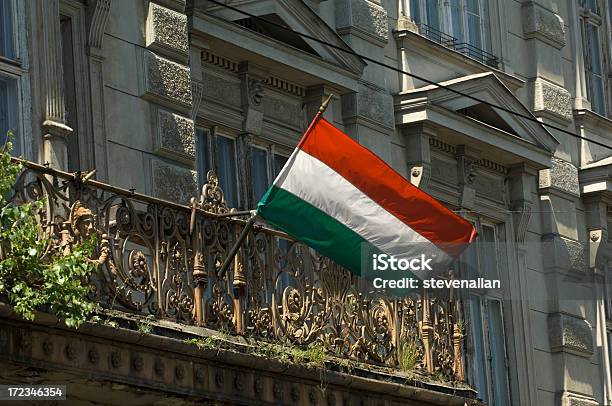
(370, 174)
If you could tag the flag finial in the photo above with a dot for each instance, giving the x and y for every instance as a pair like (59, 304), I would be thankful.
(325, 103)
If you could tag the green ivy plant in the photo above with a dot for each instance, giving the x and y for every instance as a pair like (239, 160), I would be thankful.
(31, 278)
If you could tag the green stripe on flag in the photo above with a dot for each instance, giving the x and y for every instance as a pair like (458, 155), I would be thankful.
(308, 224)
(328, 236)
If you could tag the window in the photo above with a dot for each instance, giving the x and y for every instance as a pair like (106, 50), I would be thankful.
(261, 180)
(70, 99)
(465, 20)
(7, 30)
(11, 71)
(8, 108)
(486, 359)
(225, 163)
(462, 25)
(219, 152)
(592, 23)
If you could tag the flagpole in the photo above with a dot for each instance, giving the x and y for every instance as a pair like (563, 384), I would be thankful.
(316, 118)
(251, 222)
(232, 253)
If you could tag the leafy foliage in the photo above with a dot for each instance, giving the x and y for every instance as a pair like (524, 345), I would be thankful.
(30, 277)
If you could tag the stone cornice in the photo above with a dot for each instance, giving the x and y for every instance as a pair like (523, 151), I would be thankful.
(165, 361)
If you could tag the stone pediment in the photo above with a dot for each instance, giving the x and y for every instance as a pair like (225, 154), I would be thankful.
(298, 16)
(486, 87)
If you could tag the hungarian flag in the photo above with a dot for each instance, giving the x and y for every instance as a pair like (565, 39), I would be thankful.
(339, 198)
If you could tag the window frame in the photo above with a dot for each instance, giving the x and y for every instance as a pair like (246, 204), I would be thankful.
(16, 32)
(445, 20)
(596, 19)
(484, 298)
(210, 133)
(17, 69)
(83, 133)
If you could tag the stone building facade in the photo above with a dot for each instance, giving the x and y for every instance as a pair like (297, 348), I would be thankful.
(153, 94)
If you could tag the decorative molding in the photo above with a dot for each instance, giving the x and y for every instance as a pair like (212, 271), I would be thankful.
(166, 82)
(552, 100)
(420, 176)
(492, 166)
(197, 91)
(442, 146)
(173, 183)
(285, 86)
(166, 32)
(520, 181)
(99, 17)
(466, 176)
(521, 214)
(570, 334)
(543, 24)
(562, 176)
(220, 61)
(175, 136)
(418, 153)
(135, 361)
(598, 241)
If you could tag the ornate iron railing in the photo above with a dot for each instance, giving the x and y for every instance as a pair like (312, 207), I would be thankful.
(162, 259)
(453, 43)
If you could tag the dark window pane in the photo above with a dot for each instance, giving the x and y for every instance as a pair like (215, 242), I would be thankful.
(70, 98)
(260, 172)
(473, 6)
(457, 20)
(594, 49)
(498, 354)
(474, 31)
(433, 14)
(279, 162)
(7, 34)
(9, 112)
(415, 11)
(226, 167)
(488, 253)
(479, 356)
(203, 155)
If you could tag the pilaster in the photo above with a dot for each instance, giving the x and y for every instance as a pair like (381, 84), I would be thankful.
(97, 17)
(55, 130)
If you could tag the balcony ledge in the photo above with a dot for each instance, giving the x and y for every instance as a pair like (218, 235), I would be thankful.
(45, 344)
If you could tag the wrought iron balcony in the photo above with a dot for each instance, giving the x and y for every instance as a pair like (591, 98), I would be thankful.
(161, 259)
(453, 43)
